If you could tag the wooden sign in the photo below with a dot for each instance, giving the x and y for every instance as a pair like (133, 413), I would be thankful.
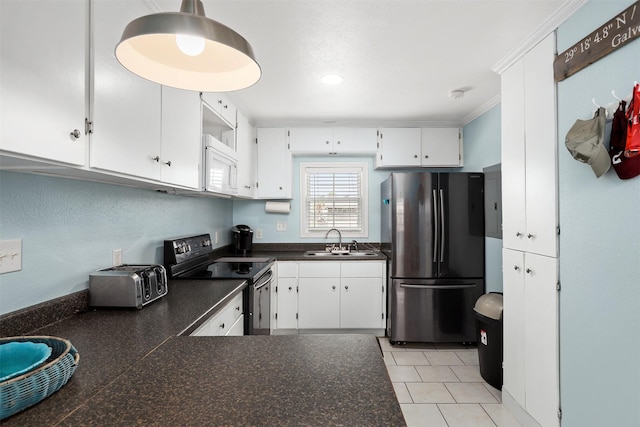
(616, 33)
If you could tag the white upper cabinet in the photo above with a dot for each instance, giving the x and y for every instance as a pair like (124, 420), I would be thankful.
(274, 164)
(529, 157)
(333, 141)
(415, 147)
(441, 147)
(181, 148)
(43, 91)
(126, 108)
(246, 147)
(221, 104)
(399, 147)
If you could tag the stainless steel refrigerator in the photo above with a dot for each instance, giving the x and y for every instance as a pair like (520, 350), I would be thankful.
(433, 234)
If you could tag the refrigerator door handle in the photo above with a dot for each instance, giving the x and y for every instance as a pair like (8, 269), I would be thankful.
(435, 227)
(405, 285)
(442, 225)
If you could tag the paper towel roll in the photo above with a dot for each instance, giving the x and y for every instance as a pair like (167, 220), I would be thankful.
(278, 207)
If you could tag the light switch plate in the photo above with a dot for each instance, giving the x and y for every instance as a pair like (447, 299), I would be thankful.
(10, 255)
(259, 233)
(281, 226)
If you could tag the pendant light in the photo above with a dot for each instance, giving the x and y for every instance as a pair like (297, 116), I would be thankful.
(187, 50)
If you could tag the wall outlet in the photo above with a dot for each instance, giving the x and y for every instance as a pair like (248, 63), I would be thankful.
(10, 255)
(258, 233)
(281, 226)
(117, 257)
(216, 237)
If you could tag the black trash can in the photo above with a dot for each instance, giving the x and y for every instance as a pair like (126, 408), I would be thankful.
(488, 312)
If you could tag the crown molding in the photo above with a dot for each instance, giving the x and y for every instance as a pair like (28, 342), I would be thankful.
(563, 13)
(481, 110)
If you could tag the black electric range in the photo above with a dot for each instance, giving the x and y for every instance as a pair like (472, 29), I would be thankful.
(190, 258)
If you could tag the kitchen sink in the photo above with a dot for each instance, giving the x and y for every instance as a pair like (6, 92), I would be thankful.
(340, 254)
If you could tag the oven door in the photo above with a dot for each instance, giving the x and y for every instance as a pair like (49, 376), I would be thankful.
(262, 304)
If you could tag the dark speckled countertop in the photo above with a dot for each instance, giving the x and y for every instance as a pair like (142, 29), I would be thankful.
(110, 341)
(136, 369)
(303, 380)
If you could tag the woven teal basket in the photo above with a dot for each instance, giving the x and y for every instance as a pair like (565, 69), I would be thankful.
(20, 392)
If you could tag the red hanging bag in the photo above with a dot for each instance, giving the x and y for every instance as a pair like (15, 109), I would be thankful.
(632, 147)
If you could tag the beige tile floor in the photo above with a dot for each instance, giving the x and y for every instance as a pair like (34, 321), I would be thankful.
(440, 385)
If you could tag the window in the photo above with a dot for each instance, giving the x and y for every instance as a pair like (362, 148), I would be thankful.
(333, 195)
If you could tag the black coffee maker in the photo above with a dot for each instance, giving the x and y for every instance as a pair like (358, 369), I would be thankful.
(242, 236)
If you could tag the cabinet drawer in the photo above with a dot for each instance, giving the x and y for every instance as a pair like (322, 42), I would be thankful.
(287, 269)
(223, 320)
(319, 269)
(361, 269)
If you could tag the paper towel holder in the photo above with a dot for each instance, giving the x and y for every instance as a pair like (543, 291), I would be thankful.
(278, 207)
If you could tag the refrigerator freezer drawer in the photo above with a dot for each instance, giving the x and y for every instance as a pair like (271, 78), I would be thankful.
(423, 310)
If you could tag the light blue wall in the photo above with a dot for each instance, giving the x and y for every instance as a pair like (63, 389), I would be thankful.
(599, 247)
(70, 228)
(482, 139)
(251, 212)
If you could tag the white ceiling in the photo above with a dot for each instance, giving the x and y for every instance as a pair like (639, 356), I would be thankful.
(400, 59)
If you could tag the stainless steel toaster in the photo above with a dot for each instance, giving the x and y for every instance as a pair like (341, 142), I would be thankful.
(127, 285)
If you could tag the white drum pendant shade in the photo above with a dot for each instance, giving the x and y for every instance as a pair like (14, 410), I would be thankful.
(149, 49)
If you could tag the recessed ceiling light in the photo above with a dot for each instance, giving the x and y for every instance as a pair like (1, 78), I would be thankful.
(332, 79)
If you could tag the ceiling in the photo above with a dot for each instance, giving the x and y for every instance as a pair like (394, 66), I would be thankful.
(400, 59)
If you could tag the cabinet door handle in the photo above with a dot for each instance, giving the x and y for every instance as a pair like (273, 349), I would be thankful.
(326, 142)
(75, 134)
(333, 287)
(290, 288)
(222, 326)
(247, 186)
(516, 268)
(518, 234)
(156, 158)
(530, 236)
(338, 142)
(168, 163)
(346, 288)
(415, 156)
(529, 271)
(426, 156)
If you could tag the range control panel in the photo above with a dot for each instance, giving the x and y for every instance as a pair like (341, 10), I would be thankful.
(177, 251)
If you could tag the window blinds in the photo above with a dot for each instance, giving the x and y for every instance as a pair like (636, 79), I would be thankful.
(334, 199)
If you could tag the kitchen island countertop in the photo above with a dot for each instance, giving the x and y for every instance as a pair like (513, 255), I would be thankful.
(305, 380)
(135, 368)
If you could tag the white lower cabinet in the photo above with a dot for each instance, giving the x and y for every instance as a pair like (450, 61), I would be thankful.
(362, 291)
(226, 322)
(330, 295)
(530, 322)
(318, 295)
(318, 302)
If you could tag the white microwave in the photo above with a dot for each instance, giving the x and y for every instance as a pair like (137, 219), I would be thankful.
(221, 172)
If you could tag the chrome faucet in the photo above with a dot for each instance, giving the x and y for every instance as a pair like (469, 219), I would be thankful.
(339, 237)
